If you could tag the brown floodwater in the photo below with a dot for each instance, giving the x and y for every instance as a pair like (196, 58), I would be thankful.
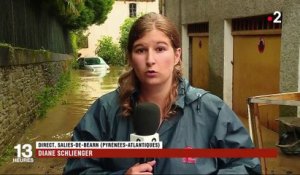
(60, 120)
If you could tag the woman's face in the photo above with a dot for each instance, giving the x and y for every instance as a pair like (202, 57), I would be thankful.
(153, 59)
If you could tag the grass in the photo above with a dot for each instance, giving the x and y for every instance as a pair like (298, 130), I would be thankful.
(7, 155)
(50, 96)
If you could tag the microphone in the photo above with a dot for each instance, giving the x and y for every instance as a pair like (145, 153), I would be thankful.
(146, 118)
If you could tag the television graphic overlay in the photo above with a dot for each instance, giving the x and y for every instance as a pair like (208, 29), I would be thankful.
(24, 153)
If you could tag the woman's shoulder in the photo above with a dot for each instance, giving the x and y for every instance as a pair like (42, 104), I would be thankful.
(107, 102)
(199, 95)
(107, 105)
(110, 97)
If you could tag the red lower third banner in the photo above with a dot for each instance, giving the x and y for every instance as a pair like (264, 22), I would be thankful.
(158, 153)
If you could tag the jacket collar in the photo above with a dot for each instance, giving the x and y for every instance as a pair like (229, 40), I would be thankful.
(187, 94)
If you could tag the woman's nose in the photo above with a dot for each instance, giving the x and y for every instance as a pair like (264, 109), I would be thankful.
(150, 60)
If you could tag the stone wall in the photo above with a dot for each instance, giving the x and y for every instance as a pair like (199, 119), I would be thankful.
(23, 74)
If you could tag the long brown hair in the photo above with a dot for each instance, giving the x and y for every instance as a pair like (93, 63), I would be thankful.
(128, 81)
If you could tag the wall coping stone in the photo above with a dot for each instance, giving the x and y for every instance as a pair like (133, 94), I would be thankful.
(12, 56)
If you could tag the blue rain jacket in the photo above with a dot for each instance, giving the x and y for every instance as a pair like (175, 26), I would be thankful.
(202, 121)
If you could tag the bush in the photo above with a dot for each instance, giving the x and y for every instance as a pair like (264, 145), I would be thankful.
(110, 51)
(124, 32)
(50, 96)
(74, 44)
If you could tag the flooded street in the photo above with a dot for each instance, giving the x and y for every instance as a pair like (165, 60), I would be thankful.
(60, 120)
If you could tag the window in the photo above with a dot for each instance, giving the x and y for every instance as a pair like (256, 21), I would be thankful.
(132, 10)
(198, 28)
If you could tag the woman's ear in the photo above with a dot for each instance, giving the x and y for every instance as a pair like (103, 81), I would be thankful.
(177, 55)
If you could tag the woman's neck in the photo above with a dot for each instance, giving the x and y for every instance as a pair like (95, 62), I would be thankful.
(157, 95)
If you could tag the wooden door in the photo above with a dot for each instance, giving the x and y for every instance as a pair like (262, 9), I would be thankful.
(256, 73)
(199, 62)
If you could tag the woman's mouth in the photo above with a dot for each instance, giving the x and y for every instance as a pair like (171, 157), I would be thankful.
(151, 73)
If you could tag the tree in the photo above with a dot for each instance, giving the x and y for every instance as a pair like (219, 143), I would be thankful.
(124, 32)
(79, 14)
(82, 39)
(110, 51)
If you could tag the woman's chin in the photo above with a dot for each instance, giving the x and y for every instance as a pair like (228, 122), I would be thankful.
(154, 82)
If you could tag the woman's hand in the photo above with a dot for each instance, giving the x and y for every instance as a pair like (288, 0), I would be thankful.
(144, 168)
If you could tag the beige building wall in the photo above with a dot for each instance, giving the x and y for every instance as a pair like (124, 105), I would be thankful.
(113, 22)
(219, 14)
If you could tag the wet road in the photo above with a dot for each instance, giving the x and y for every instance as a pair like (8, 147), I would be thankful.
(61, 119)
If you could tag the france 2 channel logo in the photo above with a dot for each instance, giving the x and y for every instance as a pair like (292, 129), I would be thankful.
(24, 153)
(275, 18)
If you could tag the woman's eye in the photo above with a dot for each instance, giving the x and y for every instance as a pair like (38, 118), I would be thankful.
(140, 50)
(160, 49)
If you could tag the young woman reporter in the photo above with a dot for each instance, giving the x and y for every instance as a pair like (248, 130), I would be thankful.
(190, 117)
